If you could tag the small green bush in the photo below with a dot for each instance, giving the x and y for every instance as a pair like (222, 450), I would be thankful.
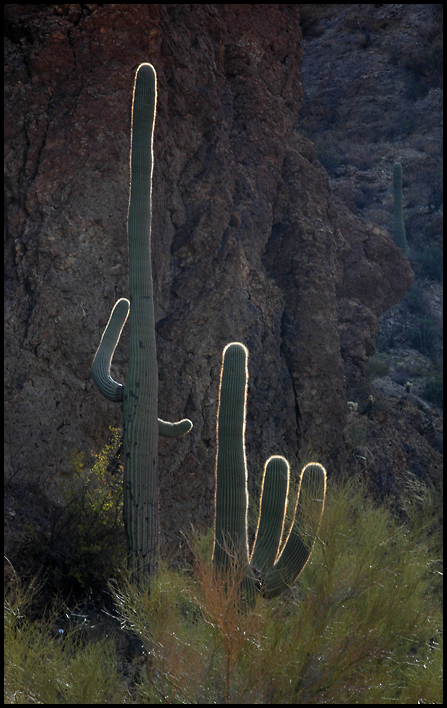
(94, 504)
(74, 544)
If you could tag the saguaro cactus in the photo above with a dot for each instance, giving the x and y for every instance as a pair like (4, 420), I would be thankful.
(399, 235)
(277, 558)
(139, 395)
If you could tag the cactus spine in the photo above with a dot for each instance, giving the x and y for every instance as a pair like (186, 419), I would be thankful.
(139, 395)
(399, 235)
(277, 558)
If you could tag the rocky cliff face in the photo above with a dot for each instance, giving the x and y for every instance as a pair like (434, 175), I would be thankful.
(249, 241)
(372, 95)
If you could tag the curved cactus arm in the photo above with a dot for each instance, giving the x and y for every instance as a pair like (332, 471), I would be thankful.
(174, 430)
(110, 388)
(272, 513)
(101, 363)
(231, 497)
(302, 535)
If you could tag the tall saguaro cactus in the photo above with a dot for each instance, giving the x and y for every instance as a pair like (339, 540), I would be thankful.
(399, 236)
(277, 558)
(139, 395)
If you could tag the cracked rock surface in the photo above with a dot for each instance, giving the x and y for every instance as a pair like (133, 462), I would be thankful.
(248, 241)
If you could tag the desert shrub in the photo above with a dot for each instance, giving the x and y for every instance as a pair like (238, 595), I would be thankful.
(433, 391)
(402, 374)
(329, 158)
(75, 543)
(310, 16)
(424, 61)
(44, 667)
(94, 511)
(364, 197)
(363, 625)
(423, 336)
(416, 300)
(429, 264)
(377, 366)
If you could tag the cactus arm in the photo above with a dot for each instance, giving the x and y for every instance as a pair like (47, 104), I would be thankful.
(101, 363)
(110, 388)
(231, 499)
(273, 503)
(174, 430)
(399, 235)
(301, 539)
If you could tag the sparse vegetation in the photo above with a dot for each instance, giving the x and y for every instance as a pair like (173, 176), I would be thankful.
(377, 366)
(329, 157)
(422, 62)
(423, 335)
(429, 264)
(74, 543)
(363, 626)
(433, 391)
(94, 505)
(417, 300)
(402, 373)
(44, 667)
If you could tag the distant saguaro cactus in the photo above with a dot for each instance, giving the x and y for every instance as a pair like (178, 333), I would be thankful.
(399, 235)
(139, 395)
(277, 557)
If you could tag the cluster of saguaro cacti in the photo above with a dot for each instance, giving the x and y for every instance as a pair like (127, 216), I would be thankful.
(399, 235)
(139, 395)
(277, 557)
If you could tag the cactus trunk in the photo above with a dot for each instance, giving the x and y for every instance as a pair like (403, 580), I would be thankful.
(140, 402)
(140, 393)
(399, 235)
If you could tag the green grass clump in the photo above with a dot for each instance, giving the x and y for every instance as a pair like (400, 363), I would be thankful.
(42, 666)
(364, 624)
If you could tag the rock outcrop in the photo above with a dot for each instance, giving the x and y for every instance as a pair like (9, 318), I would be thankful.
(249, 243)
